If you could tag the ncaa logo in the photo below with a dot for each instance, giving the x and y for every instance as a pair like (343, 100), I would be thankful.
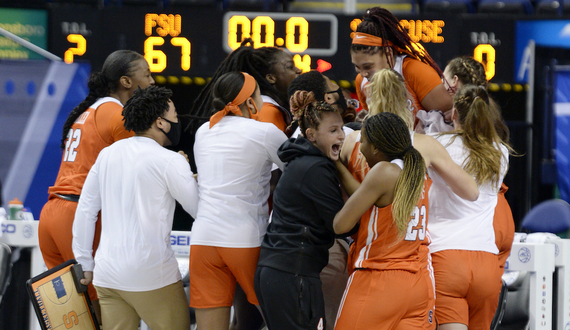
(430, 317)
(524, 255)
(28, 231)
(8, 229)
(556, 249)
(567, 327)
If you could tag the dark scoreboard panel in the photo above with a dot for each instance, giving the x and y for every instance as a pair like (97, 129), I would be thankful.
(191, 42)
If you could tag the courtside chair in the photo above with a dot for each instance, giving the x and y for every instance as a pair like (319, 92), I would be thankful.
(516, 315)
(5, 268)
(498, 318)
(551, 216)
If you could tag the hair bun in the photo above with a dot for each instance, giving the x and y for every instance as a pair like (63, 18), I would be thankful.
(299, 102)
(218, 104)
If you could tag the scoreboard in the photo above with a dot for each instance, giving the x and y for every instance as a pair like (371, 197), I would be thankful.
(191, 42)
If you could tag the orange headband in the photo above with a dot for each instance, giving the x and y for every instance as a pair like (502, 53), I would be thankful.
(369, 40)
(245, 93)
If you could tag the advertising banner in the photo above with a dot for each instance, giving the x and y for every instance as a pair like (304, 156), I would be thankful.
(28, 24)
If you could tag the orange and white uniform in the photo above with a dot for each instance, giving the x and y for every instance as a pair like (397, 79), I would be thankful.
(98, 127)
(420, 79)
(463, 248)
(388, 288)
(504, 226)
(358, 167)
(272, 112)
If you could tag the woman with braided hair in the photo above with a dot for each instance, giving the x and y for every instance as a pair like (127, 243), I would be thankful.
(465, 70)
(234, 156)
(463, 248)
(306, 199)
(388, 289)
(272, 68)
(381, 42)
(94, 124)
(388, 94)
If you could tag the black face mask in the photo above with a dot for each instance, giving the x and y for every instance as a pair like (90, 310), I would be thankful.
(341, 102)
(174, 134)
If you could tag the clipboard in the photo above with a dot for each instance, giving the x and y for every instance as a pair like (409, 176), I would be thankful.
(60, 301)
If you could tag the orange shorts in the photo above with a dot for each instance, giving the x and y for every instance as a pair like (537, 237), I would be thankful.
(386, 299)
(214, 272)
(504, 226)
(55, 234)
(467, 285)
(428, 272)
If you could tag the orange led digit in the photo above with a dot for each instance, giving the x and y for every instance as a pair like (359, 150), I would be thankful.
(303, 63)
(184, 44)
(233, 24)
(256, 25)
(290, 27)
(489, 63)
(156, 58)
(79, 50)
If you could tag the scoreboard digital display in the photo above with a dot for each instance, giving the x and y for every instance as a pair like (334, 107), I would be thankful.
(190, 42)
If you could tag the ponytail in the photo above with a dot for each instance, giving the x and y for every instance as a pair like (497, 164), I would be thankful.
(389, 134)
(97, 89)
(479, 135)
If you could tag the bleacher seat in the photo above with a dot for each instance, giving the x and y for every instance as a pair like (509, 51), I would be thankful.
(120, 3)
(449, 6)
(548, 7)
(505, 7)
(196, 3)
(337, 6)
(551, 216)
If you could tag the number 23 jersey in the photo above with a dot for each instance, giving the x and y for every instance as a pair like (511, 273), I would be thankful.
(379, 246)
(98, 127)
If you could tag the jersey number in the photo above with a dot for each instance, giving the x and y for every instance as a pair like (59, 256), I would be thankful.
(73, 138)
(417, 225)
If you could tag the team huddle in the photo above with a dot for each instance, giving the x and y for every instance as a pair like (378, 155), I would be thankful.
(320, 217)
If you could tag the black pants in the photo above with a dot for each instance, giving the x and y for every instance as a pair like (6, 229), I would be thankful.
(289, 301)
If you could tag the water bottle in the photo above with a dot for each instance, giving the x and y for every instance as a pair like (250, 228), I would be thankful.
(15, 207)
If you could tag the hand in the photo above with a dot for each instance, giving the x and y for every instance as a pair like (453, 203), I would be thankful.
(361, 115)
(185, 155)
(448, 115)
(87, 278)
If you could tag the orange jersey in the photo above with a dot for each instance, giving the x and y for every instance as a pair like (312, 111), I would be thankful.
(419, 77)
(378, 245)
(269, 113)
(358, 167)
(357, 164)
(504, 226)
(98, 127)
(272, 112)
